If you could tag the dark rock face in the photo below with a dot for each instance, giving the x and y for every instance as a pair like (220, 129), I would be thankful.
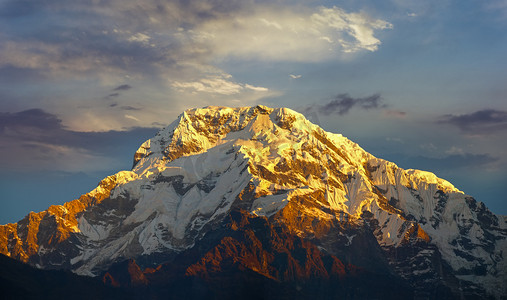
(261, 258)
(125, 274)
(251, 257)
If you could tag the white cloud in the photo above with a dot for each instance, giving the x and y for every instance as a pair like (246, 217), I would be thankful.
(256, 88)
(132, 118)
(140, 38)
(218, 84)
(289, 35)
(271, 24)
(356, 25)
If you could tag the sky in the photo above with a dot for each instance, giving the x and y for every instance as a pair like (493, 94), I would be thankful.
(83, 83)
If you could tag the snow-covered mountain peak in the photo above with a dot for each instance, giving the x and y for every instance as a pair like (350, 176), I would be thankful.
(269, 163)
(197, 130)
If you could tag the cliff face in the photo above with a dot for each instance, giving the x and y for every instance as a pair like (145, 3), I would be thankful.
(250, 257)
(319, 195)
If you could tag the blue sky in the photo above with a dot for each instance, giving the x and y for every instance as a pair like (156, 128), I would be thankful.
(84, 83)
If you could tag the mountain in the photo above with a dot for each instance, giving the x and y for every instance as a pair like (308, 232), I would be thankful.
(255, 195)
(21, 281)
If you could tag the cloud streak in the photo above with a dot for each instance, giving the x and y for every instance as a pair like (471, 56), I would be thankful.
(482, 121)
(37, 119)
(35, 140)
(220, 84)
(123, 87)
(343, 103)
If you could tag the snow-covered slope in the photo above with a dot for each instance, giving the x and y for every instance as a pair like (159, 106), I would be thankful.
(276, 164)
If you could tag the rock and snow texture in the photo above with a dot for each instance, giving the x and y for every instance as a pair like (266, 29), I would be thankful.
(272, 163)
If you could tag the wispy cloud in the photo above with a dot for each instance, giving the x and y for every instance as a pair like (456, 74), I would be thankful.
(343, 103)
(123, 87)
(128, 107)
(36, 119)
(112, 95)
(35, 139)
(396, 114)
(140, 38)
(132, 118)
(455, 151)
(218, 84)
(482, 121)
(116, 90)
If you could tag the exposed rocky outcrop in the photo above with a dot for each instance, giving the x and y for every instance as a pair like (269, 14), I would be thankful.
(250, 257)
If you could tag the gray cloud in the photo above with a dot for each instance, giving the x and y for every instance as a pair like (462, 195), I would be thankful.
(113, 95)
(38, 139)
(83, 37)
(80, 41)
(128, 107)
(123, 87)
(32, 118)
(343, 103)
(482, 121)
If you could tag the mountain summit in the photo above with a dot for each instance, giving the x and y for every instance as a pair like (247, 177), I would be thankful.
(266, 192)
